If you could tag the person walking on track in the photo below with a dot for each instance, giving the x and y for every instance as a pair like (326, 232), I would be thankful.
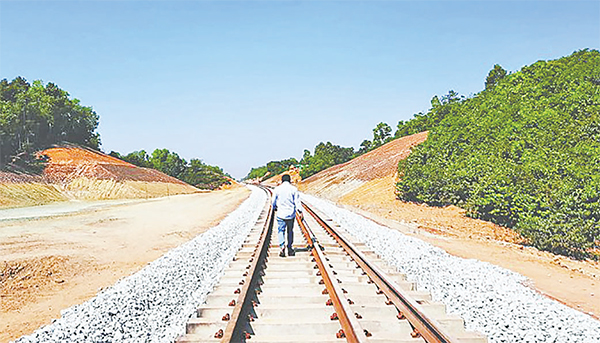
(286, 201)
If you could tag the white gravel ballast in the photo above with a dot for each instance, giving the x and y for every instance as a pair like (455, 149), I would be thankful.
(491, 299)
(154, 304)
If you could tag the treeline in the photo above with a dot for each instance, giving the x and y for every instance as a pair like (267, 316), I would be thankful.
(524, 153)
(195, 172)
(35, 116)
(324, 155)
(271, 169)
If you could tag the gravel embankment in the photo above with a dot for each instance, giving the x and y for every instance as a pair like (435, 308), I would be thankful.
(492, 300)
(153, 304)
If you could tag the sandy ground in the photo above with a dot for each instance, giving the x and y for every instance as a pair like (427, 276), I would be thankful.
(574, 283)
(55, 261)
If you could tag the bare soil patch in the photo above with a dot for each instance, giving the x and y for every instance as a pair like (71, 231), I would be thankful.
(51, 263)
(29, 194)
(366, 185)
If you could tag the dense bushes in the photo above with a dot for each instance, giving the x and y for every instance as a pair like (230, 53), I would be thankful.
(524, 152)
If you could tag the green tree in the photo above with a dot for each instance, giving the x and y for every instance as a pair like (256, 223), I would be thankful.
(204, 176)
(272, 167)
(256, 173)
(382, 134)
(195, 173)
(116, 154)
(168, 162)
(35, 116)
(139, 158)
(365, 147)
(325, 155)
(426, 121)
(494, 76)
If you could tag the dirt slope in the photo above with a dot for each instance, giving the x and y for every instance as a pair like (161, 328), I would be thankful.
(366, 185)
(27, 190)
(75, 173)
(70, 163)
(342, 179)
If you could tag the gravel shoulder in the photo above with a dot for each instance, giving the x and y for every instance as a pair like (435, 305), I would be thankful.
(57, 259)
(574, 283)
(492, 300)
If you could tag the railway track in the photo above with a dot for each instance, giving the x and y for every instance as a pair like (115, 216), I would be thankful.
(333, 290)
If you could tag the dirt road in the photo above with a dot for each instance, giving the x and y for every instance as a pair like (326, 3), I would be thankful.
(53, 262)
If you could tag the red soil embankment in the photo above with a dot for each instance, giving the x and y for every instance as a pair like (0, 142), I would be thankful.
(69, 163)
(75, 173)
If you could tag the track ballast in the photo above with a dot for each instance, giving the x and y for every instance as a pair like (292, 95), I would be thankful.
(333, 290)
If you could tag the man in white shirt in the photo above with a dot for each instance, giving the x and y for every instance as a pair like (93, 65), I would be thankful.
(286, 201)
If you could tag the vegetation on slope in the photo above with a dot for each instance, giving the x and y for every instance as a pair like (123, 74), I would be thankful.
(35, 116)
(325, 155)
(271, 169)
(195, 173)
(524, 152)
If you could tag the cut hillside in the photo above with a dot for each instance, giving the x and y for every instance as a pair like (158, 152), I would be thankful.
(367, 184)
(92, 175)
(382, 163)
(75, 173)
(69, 163)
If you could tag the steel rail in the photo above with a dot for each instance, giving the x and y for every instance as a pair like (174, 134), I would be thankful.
(352, 330)
(237, 321)
(423, 325)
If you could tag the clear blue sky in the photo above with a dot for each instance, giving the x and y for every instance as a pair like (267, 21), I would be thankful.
(239, 84)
